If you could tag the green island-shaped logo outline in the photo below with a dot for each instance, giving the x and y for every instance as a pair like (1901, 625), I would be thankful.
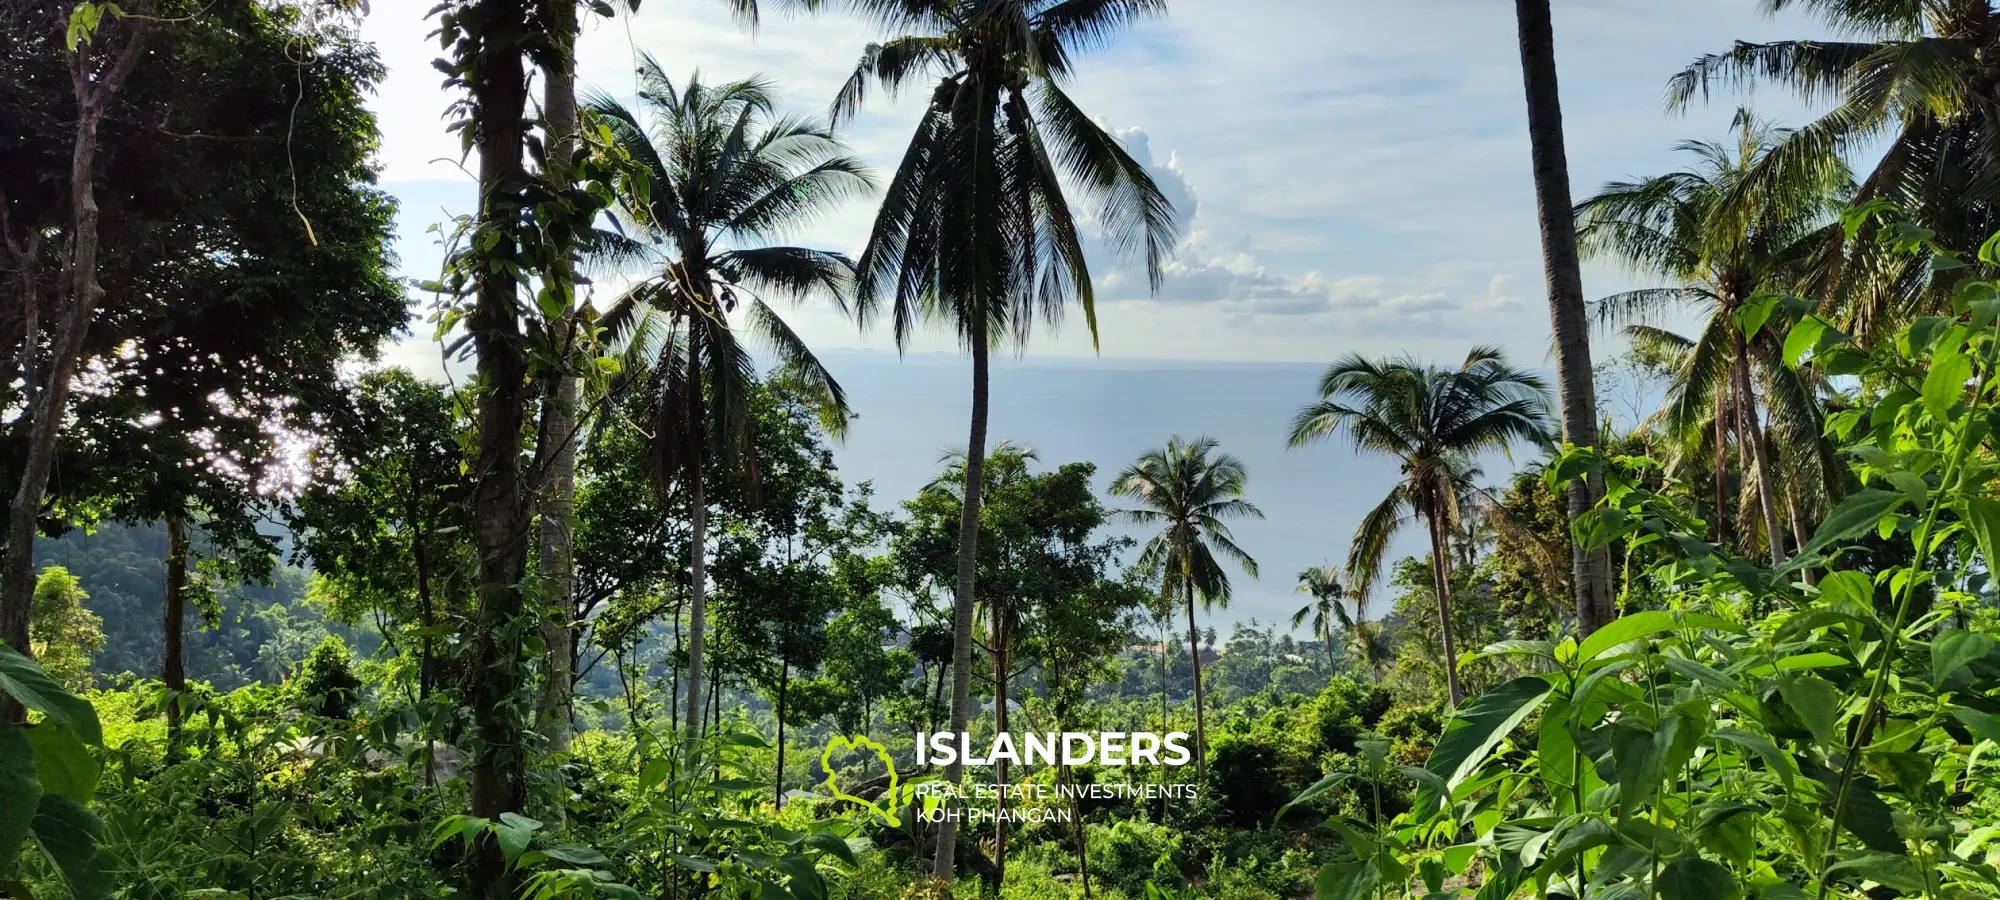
(843, 742)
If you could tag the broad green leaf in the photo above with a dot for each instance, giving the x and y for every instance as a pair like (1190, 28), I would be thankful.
(694, 863)
(831, 844)
(1774, 759)
(24, 680)
(67, 832)
(1555, 756)
(1888, 869)
(1730, 831)
(513, 840)
(1429, 785)
(1344, 881)
(1622, 630)
(1803, 338)
(20, 789)
(1318, 787)
(1982, 518)
(1815, 701)
(1985, 726)
(63, 763)
(1814, 660)
(1480, 724)
(1945, 385)
(577, 855)
(1696, 879)
(1855, 516)
(1954, 650)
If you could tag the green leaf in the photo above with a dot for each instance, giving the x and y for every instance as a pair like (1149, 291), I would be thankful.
(1983, 725)
(1954, 650)
(20, 789)
(1982, 518)
(67, 832)
(1693, 878)
(576, 855)
(513, 840)
(1803, 337)
(1344, 881)
(1945, 385)
(1624, 630)
(1480, 724)
(1888, 869)
(1855, 516)
(1429, 786)
(23, 679)
(831, 844)
(63, 763)
(1318, 787)
(694, 863)
(1816, 702)
(1774, 759)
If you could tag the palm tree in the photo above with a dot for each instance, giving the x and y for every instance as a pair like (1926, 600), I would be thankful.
(1437, 421)
(1919, 72)
(726, 173)
(1322, 583)
(1591, 578)
(975, 228)
(1189, 489)
(1724, 230)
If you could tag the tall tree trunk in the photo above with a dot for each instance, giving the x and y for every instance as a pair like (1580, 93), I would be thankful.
(1200, 706)
(944, 864)
(555, 558)
(1721, 530)
(1798, 522)
(1590, 571)
(784, 681)
(697, 586)
(1441, 583)
(497, 679)
(94, 88)
(1000, 638)
(173, 667)
(1760, 455)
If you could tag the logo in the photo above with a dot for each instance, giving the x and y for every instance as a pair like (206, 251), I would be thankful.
(888, 795)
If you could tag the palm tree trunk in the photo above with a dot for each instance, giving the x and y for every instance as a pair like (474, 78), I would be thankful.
(1194, 656)
(1798, 521)
(94, 90)
(1000, 638)
(944, 864)
(1760, 457)
(1721, 465)
(173, 666)
(1441, 583)
(1591, 571)
(697, 565)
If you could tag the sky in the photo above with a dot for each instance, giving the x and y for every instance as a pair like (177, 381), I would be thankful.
(1351, 176)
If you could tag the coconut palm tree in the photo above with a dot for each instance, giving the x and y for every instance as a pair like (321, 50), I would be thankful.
(975, 228)
(1723, 231)
(1918, 72)
(1437, 421)
(1591, 571)
(1189, 489)
(719, 172)
(1322, 583)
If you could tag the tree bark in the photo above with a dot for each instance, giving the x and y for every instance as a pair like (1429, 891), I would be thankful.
(1441, 583)
(499, 503)
(173, 667)
(1722, 465)
(1000, 638)
(784, 681)
(697, 561)
(555, 557)
(94, 91)
(944, 865)
(1760, 456)
(1200, 706)
(1591, 571)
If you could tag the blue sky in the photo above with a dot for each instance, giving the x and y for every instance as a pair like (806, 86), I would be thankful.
(1353, 176)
